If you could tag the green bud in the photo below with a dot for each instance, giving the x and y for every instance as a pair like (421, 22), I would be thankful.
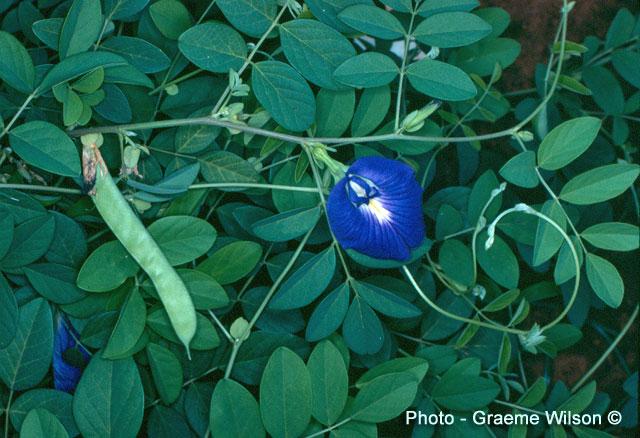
(91, 139)
(415, 119)
(172, 90)
(525, 136)
(130, 157)
(239, 329)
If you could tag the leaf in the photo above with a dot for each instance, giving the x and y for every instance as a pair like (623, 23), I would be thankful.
(315, 50)
(621, 29)
(128, 328)
(440, 80)
(109, 399)
(567, 141)
(375, 263)
(55, 282)
(362, 329)
(581, 400)
(284, 93)
(304, 285)
(214, 47)
(459, 390)
(367, 70)
(329, 383)
(42, 423)
(499, 261)
(565, 268)
(600, 184)
(625, 62)
(502, 301)
(385, 302)
(16, 66)
(605, 280)
(48, 31)
(182, 239)
(372, 108)
(106, 268)
(140, 53)
(119, 9)
(285, 394)
(286, 226)
(548, 239)
(605, 89)
(334, 111)
(481, 58)
(8, 314)
(521, 170)
(416, 366)
(171, 17)
(234, 412)
(384, 397)
(253, 17)
(613, 236)
(46, 146)
(427, 9)
(31, 239)
(329, 314)
(25, 361)
(452, 29)
(456, 261)
(373, 21)
(206, 293)
(166, 371)
(227, 167)
(206, 337)
(232, 262)
(286, 200)
(54, 401)
(81, 27)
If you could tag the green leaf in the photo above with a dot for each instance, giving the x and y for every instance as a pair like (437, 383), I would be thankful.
(605, 89)
(534, 395)
(234, 412)
(315, 50)
(373, 21)
(456, 261)
(384, 397)
(109, 399)
(284, 93)
(206, 337)
(362, 329)
(232, 262)
(329, 383)
(285, 200)
(499, 261)
(372, 108)
(581, 400)
(621, 29)
(600, 184)
(252, 17)
(565, 268)
(304, 285)
(521, 170)
(548, 239)
(625, 63)
(77, 65)
(16, 66)
(329, 314)
(72, 108)
(227, 167)
(567, 141)
(504, 354)
(461, 389)
(171, 17)
(138, 52)
(285, 394)
(605, 280)
(375, 263)
(440, 80)
(31, 239)
(429, 8)
(334, 111)
(286, 226)
(42, 423)
(367, 70)
(502, 301)
(452, 29)
(166, 371)
(214, 47)
(106, 268)
(327, 11)
(613, 236)
(415, 366)
(119, 9)
(8, 314)
(55, 282)
(46, 146)
(128, 328)
(48, 31)
(182, 238)
(81, 27)
(56, 402)
(481, 58)
(385, 302)
(25, 361)
(206, 292)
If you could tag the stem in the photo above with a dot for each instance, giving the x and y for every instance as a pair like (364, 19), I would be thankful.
(329, 429)
(37, 188)
(222, 328)
(252, 186)
(17, 114)
(607, 352)
(407, 41)
(6, 413)
(265, 301)
(520, 408)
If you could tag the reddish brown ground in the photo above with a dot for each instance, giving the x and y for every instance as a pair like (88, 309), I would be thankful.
(534, 23)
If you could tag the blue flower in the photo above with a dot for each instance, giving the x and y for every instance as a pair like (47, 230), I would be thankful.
(376, 209)
(69, 357)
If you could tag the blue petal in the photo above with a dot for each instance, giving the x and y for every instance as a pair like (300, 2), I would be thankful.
(65, 375)
(357, 228)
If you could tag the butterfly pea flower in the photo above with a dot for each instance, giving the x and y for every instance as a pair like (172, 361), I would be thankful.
(69, 357)
(376, 209)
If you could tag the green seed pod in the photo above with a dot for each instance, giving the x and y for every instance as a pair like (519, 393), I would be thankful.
(130, 231)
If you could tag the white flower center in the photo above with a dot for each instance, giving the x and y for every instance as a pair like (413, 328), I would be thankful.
(378, 210)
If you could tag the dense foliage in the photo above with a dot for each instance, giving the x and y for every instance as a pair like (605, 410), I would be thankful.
(228, 123)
